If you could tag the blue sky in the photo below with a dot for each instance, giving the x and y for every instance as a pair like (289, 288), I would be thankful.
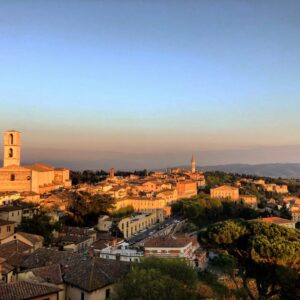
(137, 83)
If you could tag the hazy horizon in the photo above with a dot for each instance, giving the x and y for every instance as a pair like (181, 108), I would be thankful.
(138, 84)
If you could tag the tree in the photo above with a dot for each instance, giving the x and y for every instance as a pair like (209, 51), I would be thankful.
(263, 251)
(40, 225)
(86, 208)
(203, 210)
(158, 278)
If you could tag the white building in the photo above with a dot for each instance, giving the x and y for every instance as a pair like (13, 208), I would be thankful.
(121, 252)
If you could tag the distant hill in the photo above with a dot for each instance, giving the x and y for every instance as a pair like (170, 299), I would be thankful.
(291, 170)
(283, 170)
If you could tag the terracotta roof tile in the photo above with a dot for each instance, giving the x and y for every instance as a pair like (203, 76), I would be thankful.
(23, 290)
(51, 274)
(168, 242)
(90, 273)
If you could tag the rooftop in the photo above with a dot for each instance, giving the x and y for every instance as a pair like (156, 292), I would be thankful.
(226, 188)
(169, 241)
(4, 222)
(23, 290)
(90, 274)
(276, 220)
(51, 274)
(44, 257)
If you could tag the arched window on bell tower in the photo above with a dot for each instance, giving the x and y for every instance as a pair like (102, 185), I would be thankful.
(11, 152)
(11, 137)
(12, 177)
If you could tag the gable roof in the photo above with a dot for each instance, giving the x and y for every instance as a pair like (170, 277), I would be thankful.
(276, 220)
(45, 257)
(90, 273)
(8, 208)
(40, 168)
(168, 241)
(5, 222)
(226, 188)
(51, 274)
(33, 238)
(24, 290)
(15, 252)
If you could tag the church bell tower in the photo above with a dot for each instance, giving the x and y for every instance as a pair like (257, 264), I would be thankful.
(193, 164)
(12, 148)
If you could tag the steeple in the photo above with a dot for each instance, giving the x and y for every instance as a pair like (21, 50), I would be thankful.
(12, 148)
(193, 164)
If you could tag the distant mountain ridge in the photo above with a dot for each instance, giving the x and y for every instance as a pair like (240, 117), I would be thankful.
(283, 170)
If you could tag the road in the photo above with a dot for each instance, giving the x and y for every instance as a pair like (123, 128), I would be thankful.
(152, 230)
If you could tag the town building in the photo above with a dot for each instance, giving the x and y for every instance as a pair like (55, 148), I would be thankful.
(91, 278)
(32, 240)
(136, 223)
(8, 197)
(24, 290)
(12, 255)
(104, 223)
(186, 189)
(225, 192)
(121, 252)
(75, 239)
(38, 178)
(11, 213)
(7, 228)
(51, 274)
(279, 221)
(296, 215)
(275, 188)
(85, 277)
(249, 200)
(142, 204)
(172, 246)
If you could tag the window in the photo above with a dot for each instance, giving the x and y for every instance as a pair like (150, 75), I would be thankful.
(107, 294)
(12, 177)
(11, 137)
(8, 228)
(11, 153)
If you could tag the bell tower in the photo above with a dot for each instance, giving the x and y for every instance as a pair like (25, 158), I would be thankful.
(193, 164)
(12, 148)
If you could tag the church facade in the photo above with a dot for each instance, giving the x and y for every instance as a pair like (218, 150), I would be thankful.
(38, 178)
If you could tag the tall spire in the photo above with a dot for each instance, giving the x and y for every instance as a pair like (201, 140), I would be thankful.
(193, 164)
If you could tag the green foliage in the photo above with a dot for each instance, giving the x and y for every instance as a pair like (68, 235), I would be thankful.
(264, 251)
(211, 279)
(40, 225)
(227, 232)
(224, 264)
(86, 208)
(285, 213)
(219, 178)
(122, 212)
(87, 176)
(203, 210)
(156, 278)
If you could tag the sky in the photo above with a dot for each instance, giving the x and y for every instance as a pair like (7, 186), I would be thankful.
(144, 84)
